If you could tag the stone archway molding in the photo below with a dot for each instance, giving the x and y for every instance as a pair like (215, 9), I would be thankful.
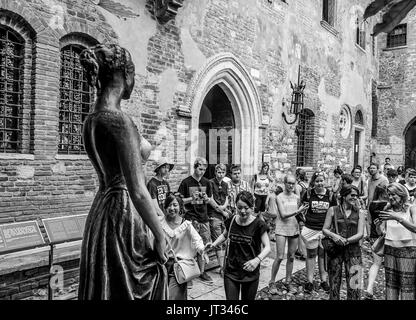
(230, 74)
(409, 124)
(216, 62)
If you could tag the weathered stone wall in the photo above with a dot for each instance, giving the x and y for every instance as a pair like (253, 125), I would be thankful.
(397, 94)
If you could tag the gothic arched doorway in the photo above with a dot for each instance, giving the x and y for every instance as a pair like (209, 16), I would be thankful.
(216, 124)
(410, 145)
(232, 83)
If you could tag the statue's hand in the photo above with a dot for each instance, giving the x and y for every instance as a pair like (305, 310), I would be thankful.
(160, 247)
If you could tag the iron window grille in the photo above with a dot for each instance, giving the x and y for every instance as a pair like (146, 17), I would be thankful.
(306, 130)
(374, 109)
(328, 12)
(397, 37)
(76, 101)
(11, 90)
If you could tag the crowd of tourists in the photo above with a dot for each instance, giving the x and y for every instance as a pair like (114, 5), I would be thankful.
(323, 220)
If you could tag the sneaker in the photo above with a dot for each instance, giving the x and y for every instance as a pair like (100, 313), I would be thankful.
(308, 287)
(272, 288)
(204, 277)
(325, 286)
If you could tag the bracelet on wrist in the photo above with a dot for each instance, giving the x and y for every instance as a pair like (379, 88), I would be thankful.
(258, 258)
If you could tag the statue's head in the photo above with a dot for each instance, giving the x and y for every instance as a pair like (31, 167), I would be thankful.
(103, 61)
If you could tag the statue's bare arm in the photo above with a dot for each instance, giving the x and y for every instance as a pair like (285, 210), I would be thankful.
(128, 138)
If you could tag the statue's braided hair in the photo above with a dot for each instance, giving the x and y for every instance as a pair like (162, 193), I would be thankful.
(102, 60)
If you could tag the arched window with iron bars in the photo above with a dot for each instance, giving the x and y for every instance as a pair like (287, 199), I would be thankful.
(11, 90)
(76, 101)
(306, 133)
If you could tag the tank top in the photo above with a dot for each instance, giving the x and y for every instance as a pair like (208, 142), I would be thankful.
(261, 186)
(397, 235)
(348, 227)
(287, 227)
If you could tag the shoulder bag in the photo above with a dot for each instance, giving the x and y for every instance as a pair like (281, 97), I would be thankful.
(330, 246)
(185, 270)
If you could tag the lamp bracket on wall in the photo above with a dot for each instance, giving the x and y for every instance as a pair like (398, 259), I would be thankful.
(296, 103)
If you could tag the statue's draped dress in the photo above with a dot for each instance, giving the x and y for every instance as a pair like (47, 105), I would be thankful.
(117, 259)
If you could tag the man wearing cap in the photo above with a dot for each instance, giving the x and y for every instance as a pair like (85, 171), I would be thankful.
(158, 186)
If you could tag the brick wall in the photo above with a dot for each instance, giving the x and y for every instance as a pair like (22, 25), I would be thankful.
(39, 182)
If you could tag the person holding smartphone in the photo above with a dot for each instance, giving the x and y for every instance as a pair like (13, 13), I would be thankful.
(287, 230)
(399, 222)
(196, 191)
(377, 199)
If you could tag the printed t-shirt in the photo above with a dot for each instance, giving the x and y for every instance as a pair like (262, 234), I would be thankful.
(158, 190)
(318, 207)
(245, 244)
(197, 209)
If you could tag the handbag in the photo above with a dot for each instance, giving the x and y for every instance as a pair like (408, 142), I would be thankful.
(330, 246)
(378, 245)
(184, 270)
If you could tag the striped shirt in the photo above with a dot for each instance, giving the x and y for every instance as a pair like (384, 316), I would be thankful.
(235, 189)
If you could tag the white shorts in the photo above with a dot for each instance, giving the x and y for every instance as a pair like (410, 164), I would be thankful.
(311, 238)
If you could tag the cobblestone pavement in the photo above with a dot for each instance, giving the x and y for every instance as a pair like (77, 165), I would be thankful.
(299, 278)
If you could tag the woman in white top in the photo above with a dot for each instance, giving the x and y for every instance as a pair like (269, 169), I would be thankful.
(184, 240)
(261, 186)
(400, 244)
(287, 229)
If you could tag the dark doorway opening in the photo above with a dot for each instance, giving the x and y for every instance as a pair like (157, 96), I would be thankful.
(216, 124)
(410, 146)
(357, 137)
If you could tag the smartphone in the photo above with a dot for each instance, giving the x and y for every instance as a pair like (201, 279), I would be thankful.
(375, 208)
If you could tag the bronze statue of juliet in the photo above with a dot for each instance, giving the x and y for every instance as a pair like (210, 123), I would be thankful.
(117, 259)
